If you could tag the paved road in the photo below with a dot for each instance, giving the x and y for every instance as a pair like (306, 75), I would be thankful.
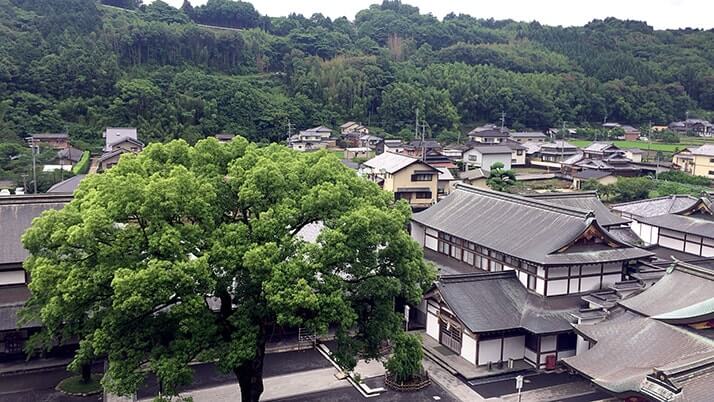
(37, 387)
(508, 386)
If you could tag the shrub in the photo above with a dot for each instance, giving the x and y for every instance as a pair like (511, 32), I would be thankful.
(83, 165)
(405, 363)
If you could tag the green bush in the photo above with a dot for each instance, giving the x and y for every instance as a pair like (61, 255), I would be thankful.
(405, 363)
(83, 165)
(681, 177)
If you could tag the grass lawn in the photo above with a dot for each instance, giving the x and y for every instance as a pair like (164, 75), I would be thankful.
(643, 145)
(339, 154)
(74, 385)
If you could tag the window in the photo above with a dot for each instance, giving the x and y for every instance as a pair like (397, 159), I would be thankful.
(422, 177)
(519, 152)
(711, 173)
(423, 195)
(711, 160)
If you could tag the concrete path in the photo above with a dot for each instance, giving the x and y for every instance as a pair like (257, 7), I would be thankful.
(283, 386)
(452, 384)
(554, 393)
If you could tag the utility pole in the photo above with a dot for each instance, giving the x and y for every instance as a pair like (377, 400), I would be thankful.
(24, 181)
(290, 132)
(416, 125)
(503, 120)
(562, 143)
(423, 145)
(34, 164)
(649, 140)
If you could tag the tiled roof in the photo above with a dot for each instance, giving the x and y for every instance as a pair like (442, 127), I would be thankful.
(390, 162)
(586, 200)
(656, 206)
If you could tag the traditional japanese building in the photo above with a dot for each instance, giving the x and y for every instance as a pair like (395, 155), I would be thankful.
(656, 345)
(512, 271)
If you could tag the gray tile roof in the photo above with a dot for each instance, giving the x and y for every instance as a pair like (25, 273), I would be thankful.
(599, 147)
(487, 302)
(9, 318)
(586, 200)
(50, 136)
(16, 215)
(656, 206)
(492, 149)
(527, 134)
(684, 295)
(67, 186)
(391, 162)
(630, 347)
(522, 227)
(686, 224)
(705, 150)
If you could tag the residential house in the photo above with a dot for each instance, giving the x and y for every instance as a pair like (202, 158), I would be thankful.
(654, 345)
(679, 222)
(446, 180)
(224, 137)
(600, 150)
(494, 136)
(118, 135)
(393, 146)
(634, 154)
(311, 139)
(684, 160)
(352, 127)
(512, 272)
(602, 157)
(415, 148)
(603, 177)
(369, 141)
(557, 151)
(359, 152)
(484, 156)
(407, 177)
(437, 159)
(518, 152)
(455, 152)
(66, 158)
(108, 159)
(53, 140)
(475, 177)
(703, 161)
(528, 136)
(702, 128)
(16, 215)
(631, 133)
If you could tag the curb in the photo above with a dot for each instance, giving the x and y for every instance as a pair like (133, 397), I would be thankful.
(33, 370)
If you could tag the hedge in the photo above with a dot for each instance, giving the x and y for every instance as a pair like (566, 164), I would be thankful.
(83, 165)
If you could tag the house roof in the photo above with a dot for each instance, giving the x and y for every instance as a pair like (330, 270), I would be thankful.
(586, 200)
(704, 150)
(348, 124)
(108, 155)
(16, 215)
(67, 186)
(532, 147)
(428, 144)
(595, 174)
(224, 136)
(391, 162)
(320, 129)
(634, 151)
(513, 145)
(126, 139)
(527, 134)
(492, 149)
(573, 159)
(487, 302)
(473, 174)
(445, 174)
(50, 136)
(526, 228)
(684, 295)
(496, 133)
(656, 206)
(630, 347)
(72, 154)
(557, 145)
(692, 224)
(599, 147)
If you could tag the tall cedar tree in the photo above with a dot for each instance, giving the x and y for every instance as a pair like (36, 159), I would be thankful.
(183, 253)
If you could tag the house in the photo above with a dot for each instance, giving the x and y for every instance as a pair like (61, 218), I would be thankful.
(603, 177)
(703, 161)
(393, 146)
(654, 345)
(118, 136)
(512, 272)
(494, 136)
(352, 127)
(702, 128)
(407, 177)
(369, 141)
(631, 133)
(311, 139)
(455, 152)
(684, 160)
(66, 158)
(445, 181)
(437, 159)
(634, 154)
(679, 222)
(557, 151)
(484, 156)
(53, 140)
(16, 215)
(528, 136)
(224, 137)
(600, 150)
(108, 159)
(518, 152)
(475, 177)
(352, 153)
(415, 148)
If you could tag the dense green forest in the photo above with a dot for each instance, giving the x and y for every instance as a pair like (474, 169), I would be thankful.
(78, 66)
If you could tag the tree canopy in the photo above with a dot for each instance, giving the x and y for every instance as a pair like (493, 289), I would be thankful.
(182, 253)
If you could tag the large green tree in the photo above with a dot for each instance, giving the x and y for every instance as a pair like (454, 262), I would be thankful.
(182, 253)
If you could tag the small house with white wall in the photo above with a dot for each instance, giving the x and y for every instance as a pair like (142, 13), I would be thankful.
(484, 156)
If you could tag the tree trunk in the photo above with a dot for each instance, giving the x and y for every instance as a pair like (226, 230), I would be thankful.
(250, 373)
(86, 372)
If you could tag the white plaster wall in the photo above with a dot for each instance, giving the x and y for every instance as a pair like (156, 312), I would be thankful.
(540, 286)
(432, 326)
(707, 251)
(608, 280)
(692, 248)
(674, 244)
(557, 287)
(574, 286)
(12, 277)
(418, 233)
(590, 283)
(523, 277)
(531, 355)
(489, 351)
(431, 243)
(582, 345)
(565, 353)
(514, 347)
(468, 348)
(547, 343)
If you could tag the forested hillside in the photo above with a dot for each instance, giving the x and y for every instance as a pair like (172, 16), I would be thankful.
(78, 66)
